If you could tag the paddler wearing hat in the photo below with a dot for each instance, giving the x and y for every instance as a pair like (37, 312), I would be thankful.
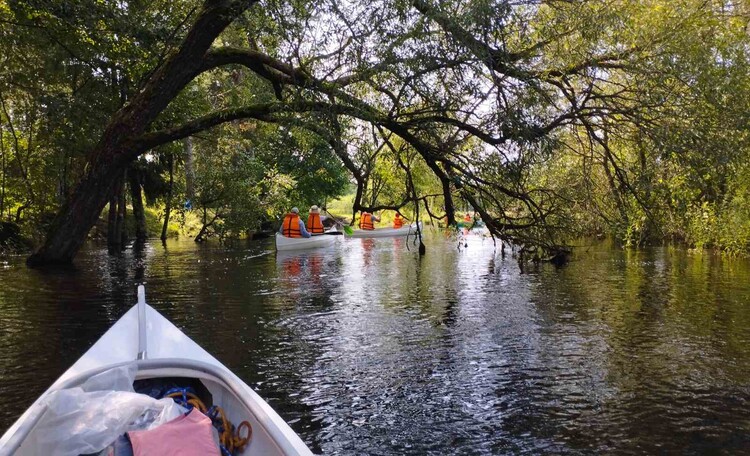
(314, 224)
(293, 226)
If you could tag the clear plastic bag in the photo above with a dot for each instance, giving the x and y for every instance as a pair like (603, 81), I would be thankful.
(88, 418)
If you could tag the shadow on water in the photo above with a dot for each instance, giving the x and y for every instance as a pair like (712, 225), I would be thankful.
(369, 348)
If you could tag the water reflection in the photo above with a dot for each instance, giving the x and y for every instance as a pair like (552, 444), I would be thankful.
(368, 348)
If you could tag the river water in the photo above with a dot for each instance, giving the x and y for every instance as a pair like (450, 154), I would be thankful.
(366, 348)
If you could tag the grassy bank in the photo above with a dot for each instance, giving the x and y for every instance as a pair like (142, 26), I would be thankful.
(181, 223)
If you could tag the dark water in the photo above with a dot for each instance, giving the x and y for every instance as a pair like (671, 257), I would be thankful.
(366, 349)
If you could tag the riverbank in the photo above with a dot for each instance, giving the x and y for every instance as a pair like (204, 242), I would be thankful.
(21, 239)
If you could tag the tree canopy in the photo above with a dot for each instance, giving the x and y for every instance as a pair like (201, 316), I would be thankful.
(551, 119)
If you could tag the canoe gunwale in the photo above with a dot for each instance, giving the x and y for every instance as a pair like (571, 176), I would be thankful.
(314, 242)
(177, 367)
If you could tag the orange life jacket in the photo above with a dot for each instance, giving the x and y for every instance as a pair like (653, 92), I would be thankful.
(314, 225)
(398, 222)
(365, 222)
(291, 226)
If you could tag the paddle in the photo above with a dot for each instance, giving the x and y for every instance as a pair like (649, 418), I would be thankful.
(330, 233)
(347, 229)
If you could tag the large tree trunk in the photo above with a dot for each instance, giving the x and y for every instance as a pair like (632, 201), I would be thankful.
(357, 205)
(116, 149)
(134, 182)
(168, 206)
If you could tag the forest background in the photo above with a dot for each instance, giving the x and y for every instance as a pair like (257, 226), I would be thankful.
(551, 120)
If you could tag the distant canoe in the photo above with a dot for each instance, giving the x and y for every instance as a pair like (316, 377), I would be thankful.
(160, 350)
(284, 243)
(385, 232)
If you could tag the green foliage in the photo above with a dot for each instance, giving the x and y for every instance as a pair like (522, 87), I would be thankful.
(669, 161)
(250, 173)
(66, 67)
(559, 119)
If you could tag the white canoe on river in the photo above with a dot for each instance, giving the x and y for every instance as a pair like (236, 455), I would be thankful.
(319, 240)
(144, 338)
(384, 232)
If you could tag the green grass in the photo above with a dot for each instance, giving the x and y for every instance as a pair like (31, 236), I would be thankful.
(179, 225)
(342, 207)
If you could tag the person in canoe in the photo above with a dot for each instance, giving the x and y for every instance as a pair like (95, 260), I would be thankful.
(398, 221)
(314, 224)
(293, 226)
(367, 221)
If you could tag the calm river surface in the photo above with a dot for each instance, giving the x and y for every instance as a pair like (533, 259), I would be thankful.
(365, 348)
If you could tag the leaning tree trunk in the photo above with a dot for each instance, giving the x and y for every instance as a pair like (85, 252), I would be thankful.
(118, 145)
(134, 182)
(206, 225)
(357, 204)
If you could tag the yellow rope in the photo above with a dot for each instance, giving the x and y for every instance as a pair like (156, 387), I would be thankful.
(232, 442)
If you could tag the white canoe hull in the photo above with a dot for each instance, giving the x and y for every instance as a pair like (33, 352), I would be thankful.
(384, 232)
(170, 354)
(284, 243)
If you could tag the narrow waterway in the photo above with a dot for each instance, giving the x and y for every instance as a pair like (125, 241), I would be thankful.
(366, 348)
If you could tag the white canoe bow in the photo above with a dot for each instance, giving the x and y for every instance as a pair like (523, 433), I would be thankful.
(162, 350)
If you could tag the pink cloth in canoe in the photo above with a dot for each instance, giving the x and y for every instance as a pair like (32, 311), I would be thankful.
(186, 435)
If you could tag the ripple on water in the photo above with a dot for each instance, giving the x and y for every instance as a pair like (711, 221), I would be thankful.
(365, 348)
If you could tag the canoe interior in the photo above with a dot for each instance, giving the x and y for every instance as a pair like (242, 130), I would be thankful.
(223, 393)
